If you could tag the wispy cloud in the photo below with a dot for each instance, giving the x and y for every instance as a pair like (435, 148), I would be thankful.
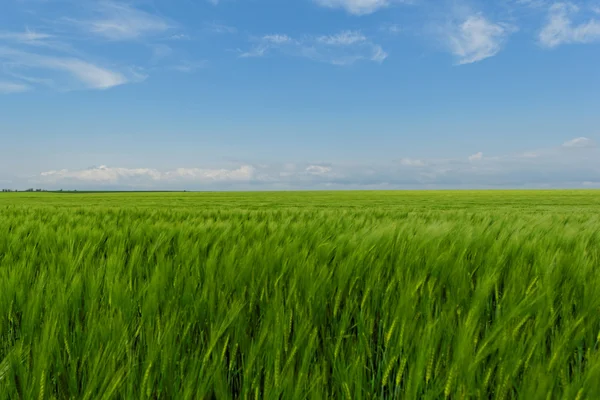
(343, 48)
(25, 37)
(411, 162)
(529, 3)
(359, 7)
(214, 27)
(392, 29)
(476, 157)
(160, 51)
(31, 81)
(277, 39)
(120, 21)
(344, 38)
(13, 87)
(560, 27)
(30, 38)
(90, 75)
(580, 142)
(179, 36)
(475, 38)
(256, 51)
(54, 58)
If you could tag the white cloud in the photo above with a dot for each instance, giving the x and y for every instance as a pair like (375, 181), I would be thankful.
(476, 156)
(243, 173)
(110, 175)
(344, 38)
(277, 39)
(357, 7)
(530, 3)
(317, 170)
(215, 27)
(180, 36)
(476, 38)
(561, 29)
(12, 87)
(90, 75)
(100, 174)
(53, 58)
(26, 37)
(580, 142)
(343, 48)
(551, 167)
(32, 38)
(119, 21)
(379, 55)
(257, 51)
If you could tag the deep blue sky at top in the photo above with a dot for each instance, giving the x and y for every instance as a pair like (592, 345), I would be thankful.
(299, 93)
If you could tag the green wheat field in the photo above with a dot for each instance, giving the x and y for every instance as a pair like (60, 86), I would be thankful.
(307, 295)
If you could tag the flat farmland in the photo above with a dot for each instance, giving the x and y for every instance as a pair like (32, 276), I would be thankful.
(295, 295)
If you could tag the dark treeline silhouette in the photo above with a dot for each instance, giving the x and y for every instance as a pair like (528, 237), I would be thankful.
(27, 190)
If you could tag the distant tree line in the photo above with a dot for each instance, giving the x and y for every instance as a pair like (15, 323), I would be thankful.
(27, 190)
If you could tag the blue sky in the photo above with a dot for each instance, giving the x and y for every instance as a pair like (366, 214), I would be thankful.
(299, 94)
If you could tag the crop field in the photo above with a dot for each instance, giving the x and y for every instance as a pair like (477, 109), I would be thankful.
(308, 295)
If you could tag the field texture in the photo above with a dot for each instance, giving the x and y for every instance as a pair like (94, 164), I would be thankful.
(408, 295)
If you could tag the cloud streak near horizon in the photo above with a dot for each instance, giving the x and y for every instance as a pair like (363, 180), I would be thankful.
(575, 163)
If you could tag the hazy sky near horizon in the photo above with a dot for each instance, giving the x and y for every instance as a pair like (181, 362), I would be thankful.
(299, 94)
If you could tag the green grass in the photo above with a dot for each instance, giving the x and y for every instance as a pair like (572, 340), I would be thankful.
(300, 295)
